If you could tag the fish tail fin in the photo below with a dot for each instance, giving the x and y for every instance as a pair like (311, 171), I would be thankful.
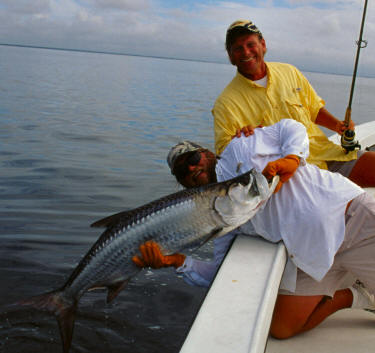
(64, 309)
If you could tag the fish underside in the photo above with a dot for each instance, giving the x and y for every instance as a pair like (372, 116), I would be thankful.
(177, 222)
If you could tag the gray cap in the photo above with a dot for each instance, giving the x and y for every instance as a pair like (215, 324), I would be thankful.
(247, 24)
(178, 150)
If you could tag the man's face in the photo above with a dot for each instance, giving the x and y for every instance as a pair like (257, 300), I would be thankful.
(247, 53)
(198, 168)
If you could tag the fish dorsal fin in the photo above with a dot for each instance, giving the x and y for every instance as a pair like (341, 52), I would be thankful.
(115, 289)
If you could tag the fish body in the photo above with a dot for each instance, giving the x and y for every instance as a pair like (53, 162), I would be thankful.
(180, 221)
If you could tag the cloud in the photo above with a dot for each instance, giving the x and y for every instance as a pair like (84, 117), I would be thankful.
(311, 37)
(124, 5)
(316, 36)
(25, 7)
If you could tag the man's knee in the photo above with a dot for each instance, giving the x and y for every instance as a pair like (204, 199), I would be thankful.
(363, 173)
(291, 314)
(282, 330)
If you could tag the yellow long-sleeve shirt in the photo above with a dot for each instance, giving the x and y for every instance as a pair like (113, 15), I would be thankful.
(288, 95)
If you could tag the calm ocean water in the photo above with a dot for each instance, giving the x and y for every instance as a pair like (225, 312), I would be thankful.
(85, 135)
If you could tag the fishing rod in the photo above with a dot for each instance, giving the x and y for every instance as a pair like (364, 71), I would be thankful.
(347, 139)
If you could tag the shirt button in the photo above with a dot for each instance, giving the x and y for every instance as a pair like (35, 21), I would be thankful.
(291, 256)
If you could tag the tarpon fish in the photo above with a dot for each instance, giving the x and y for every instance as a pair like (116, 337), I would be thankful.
(180, 221)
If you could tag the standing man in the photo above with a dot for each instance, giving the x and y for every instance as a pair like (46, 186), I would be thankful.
(263, 93)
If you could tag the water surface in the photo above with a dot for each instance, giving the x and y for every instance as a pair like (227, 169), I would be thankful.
(85, 135)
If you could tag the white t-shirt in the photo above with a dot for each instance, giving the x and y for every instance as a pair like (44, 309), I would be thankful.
(308, 211)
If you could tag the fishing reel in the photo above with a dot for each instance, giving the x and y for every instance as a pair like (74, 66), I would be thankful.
(348, 142)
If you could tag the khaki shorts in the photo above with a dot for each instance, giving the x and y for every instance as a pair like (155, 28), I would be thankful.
(354, 260)
(344, 168)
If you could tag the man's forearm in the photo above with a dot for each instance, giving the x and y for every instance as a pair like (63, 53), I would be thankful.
(326, 119)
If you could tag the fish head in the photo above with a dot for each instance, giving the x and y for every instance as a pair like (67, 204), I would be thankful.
(245, 196)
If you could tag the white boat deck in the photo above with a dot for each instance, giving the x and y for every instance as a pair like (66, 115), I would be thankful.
(228, 320)
(346, 331)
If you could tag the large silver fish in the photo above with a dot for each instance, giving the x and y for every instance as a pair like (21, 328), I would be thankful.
(184, 220)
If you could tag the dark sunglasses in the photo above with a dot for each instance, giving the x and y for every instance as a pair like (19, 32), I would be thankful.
(181, 170)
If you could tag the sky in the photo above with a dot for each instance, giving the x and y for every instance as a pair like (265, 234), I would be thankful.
(313, 35)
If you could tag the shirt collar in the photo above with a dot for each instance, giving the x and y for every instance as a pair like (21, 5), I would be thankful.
(251, 82)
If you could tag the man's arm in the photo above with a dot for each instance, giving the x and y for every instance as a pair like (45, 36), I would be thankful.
(326, 119)
(195, 272)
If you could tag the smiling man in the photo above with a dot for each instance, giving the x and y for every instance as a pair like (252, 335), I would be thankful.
(247, 51)
(192, 165)
(263, 93)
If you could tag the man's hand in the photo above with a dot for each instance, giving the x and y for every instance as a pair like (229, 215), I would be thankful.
(341, 127)
(284, 167)
(246, 130)
(326, 119)
(151, 256)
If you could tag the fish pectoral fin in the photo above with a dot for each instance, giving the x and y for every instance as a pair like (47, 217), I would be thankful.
(211, 236)
(115, 289)
(95, 288)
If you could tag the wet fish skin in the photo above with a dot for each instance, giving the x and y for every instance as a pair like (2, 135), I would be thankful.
(186, 219)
